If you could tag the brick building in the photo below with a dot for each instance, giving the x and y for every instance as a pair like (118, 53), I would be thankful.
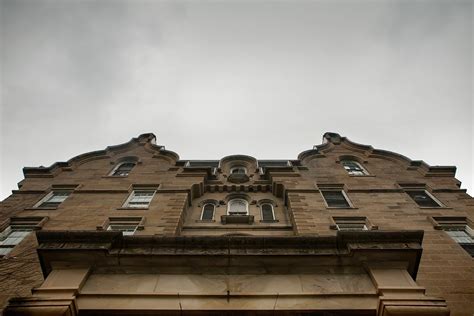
(345, 229)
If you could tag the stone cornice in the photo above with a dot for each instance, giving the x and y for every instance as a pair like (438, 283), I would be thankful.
(111, 249)
(146, 140)
(334, 139)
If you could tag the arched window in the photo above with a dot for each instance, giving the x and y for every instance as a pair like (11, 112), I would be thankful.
(123, 169)
(238, 207)
(238, 170)
(207, 213)
(354, 168)
(267, 212)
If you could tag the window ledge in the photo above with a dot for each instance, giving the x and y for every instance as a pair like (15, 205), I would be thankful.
(115, 177)
(40, 208)
(132, 208)
(341, 208)
(269, 221)
(435, 207)
(205, 221)
(362, 176)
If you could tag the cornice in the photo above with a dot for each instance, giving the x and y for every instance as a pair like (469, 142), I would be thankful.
(147, 140)
(330, 140)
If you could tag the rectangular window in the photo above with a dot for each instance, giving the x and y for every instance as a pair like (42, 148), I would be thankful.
(140, 199)
(350, 223)
(126, 225)
(18, 229)
(423, 198)
(335, 199)
(459, 229)
(53, 199)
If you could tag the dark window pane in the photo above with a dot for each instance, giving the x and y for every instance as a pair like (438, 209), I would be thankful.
(422, 199)
(335, 199)
(208, 212)
(267, 212)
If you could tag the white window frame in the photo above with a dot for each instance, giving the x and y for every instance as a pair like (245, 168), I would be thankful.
(49, 196)
(124, 233)
(10, 230)
(213, 212)
(341, 225)
(364, 171)
(111, 173)
(459, 228)
(131, 196)
(237, 199)
(273, 212)
(346, 197)
(427, 193)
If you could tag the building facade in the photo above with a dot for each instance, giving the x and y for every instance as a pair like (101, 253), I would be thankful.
(344, 229)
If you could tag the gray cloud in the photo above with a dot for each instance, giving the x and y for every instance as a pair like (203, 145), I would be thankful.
(216, 78)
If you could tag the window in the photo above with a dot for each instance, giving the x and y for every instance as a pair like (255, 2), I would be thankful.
(126, 225)
(123, 169)
(459, 230)
(267, 212)
(53, 199)
(207, 213)
(238, 207)
(350, 223)
(238, 170)
(354, 168)
(17, 230)
(423, 198)
(335, 199)
(140, 199)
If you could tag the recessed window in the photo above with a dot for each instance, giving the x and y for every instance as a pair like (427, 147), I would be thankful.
(123, 169)
(350, 223)
(53, 199)
(140, 199)
(354, 168)
(207, 213)
(13, 234)
(423, 198)
(238, 170)
(128, 226)
(335, 199)
(267, 212)
(238, 207)
(458, 229)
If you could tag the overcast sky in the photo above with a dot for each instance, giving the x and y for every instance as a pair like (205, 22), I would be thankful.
(213, 78)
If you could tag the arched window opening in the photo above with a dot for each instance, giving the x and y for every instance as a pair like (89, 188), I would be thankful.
(267, 212)
(238, 170)
(354, 168)
(238, 207)
(123, 169)
(208, 212)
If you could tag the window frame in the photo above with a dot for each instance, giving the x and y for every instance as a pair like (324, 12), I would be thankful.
(237, 199)
(456, 223)
(365, 172)
(231, 171)
(126, 204)
(337, 221)
(49, 196)
(431, 196)
(273, 219)
(344, 194)
(112, 172)
(29, 224)
(213, 212)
